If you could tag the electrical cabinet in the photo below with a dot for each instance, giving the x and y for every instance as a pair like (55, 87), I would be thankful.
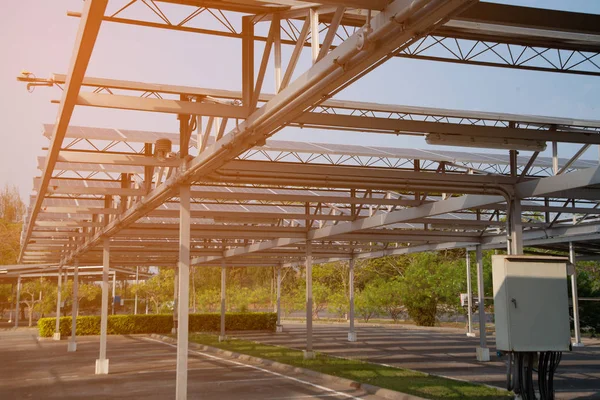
(531, 304)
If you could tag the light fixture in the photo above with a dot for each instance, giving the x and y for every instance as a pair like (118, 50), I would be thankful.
(443, 139)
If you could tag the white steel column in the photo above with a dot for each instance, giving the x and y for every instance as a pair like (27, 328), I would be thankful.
(12, 302)
(184, 292)
(470, 332)
(575, 297)
(58, 289)
(102, 361)
(279, 327)
(277, 52)
(483, 353)
(222, 336)
(175, 302)
(114, 291)
(137, 281)
(351, 333)
(18, 301)
(555, 158)
(309, 353)
(516, 228)
(72, 346)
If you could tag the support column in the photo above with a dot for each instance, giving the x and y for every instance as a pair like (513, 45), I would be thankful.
(575, 297)
(102, 361)
(351, 333)
(58, 290)
(114, 291)
(18, 301)
(470, 332)
(279, 327)
(72, 346)
(516, 228)
(309, 353)
(222, 336)
(175, 302)
(314, 34)
(137, 281)
(12, 302)
(184, 292)
(483, 353)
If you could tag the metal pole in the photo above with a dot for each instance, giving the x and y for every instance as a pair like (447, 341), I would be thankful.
(184, 292)
(114, 291)
(308, 353)
(279, 326)
(352, 333)
(175, 301)
(137, 281)
(18, 300)
(469, 296)
(314, 34)
(146, 305)
(516, 228)
(12, 302)
(575, 297)
(58, 289)
(555, 158)
(483, 353)
(102, 361)
(222, 336)
(193, 272)
(72, 346)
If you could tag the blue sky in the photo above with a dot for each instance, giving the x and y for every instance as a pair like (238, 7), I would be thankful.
(38, 36)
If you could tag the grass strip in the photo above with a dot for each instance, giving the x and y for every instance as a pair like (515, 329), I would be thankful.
(402, 380)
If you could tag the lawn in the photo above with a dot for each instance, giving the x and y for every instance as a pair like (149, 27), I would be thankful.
(402, 380)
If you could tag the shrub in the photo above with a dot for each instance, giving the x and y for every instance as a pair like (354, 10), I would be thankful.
(161, 323)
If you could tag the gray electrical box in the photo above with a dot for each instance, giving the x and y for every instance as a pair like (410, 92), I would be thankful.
(531, 304)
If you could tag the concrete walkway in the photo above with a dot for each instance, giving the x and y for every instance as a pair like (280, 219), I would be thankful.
(439, 351)
(142, 368)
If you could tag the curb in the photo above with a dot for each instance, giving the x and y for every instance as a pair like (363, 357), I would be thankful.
(280, 367)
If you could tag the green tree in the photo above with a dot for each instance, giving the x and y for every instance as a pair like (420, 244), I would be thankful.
(431, 280)
(366, 302)
(389, 295)
(158, 290)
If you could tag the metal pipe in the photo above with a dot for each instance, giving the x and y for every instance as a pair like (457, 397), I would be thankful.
(279, 298)
(137, 281)
(58, 293)
(102, 362)
(352, 333)
(223, 293)
(469, 295)
(480, 296)
(72, 346)
(309, 301)
(184, 293)
(575, 295)
(18, 301)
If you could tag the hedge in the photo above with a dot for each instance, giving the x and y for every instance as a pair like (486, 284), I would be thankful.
(159, 323)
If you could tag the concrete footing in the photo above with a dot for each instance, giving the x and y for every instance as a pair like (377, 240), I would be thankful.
(471, 334)
(102, 367)
(72, 346)
(279, 329)
(222, 338)
(577, 344)
(483, 354)
(56, 336)
(352, 336)
(308, 355)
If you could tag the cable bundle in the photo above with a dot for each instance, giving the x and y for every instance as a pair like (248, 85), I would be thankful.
(520, 370)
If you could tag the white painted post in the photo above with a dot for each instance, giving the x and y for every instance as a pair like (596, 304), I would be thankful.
(279, 327)
(516, 228)
(137, 281)
(575, 297)
(114, 291)
(72, 346)
(175, 302)
(58, 289)
(483, 353)
(277, 52)
(352, 334)
(102, 361)
(309, 353)
(18, 301)
(470, 332)
(12, 302)
(184, 289)
(222, 336)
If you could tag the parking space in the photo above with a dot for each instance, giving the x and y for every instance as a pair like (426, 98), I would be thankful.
(439, 351)
(141, 368)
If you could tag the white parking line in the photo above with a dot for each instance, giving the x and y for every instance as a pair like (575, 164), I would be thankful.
(301, 381)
